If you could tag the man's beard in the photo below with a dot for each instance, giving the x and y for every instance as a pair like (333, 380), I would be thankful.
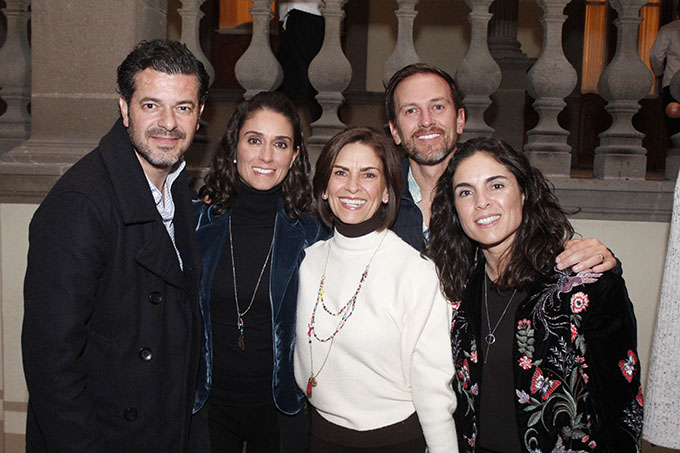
(430, 156)
(160, 156)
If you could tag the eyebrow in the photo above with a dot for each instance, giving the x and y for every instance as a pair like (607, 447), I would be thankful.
(261, 134)
(342, 167)
(158, 101)
(486, 181)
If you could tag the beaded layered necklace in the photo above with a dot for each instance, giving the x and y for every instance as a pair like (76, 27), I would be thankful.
(345, 312)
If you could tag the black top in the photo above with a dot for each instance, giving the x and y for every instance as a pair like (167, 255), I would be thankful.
(497, 423)
(243, 378)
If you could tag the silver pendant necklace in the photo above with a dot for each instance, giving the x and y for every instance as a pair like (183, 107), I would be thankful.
(239, 315)
(490, 338)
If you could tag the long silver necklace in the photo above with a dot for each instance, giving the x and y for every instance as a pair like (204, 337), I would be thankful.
(490, 338)
(239, 315)
(346, 311)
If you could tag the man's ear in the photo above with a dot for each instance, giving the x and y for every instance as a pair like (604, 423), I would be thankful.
(395, 134)
(200, 112)
(460, 121)
(124, 111)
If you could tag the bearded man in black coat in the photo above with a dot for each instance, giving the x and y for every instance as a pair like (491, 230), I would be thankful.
(111, 326)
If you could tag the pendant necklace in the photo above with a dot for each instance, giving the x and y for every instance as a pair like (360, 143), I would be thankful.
(346, 311)
(490, 338)
(239, 315)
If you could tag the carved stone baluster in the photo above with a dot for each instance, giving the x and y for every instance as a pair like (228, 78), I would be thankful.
(478, 75)
(191, 20)
(549, 81)
(673, 154)
(624, 82)
(506, 115)
(330, 73)
(258, 69)
(15, 76)
(404, 52)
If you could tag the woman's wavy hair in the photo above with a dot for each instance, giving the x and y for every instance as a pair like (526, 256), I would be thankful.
(384, 149)
(222, 178)
(539, 238)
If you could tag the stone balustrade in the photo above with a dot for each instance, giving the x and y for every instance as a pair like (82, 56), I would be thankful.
(489, 63)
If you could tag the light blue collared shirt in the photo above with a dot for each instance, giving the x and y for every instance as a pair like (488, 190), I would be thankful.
(167, 209)
(414, 190)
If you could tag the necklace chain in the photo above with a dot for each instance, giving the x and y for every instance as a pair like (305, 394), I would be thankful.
(239, 315)
(490, 338)
(346, 312)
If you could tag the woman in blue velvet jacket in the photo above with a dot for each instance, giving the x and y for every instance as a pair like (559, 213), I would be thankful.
(252, 239)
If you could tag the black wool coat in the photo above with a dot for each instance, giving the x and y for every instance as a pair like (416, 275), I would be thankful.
(111, 326)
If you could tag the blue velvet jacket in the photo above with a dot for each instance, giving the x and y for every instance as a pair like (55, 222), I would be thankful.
(291, 237)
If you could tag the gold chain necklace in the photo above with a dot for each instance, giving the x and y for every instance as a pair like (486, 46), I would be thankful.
(239, 315)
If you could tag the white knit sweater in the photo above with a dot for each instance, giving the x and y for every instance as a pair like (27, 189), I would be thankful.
(393, 356)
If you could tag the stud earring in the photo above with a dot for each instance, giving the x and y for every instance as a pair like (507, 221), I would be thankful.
(324, 197)
(234, 161)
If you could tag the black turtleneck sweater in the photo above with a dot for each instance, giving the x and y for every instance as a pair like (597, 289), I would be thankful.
(244, 378)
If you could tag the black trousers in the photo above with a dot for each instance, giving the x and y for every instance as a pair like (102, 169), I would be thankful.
(300, 42)
(262, 429)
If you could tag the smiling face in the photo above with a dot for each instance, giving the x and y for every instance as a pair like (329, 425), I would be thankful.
(427, 123)
(162, 117)
(488, 201)
(356, 187)
(265, 150)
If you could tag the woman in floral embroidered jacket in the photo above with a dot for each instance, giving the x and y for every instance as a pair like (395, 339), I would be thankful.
(545, 359)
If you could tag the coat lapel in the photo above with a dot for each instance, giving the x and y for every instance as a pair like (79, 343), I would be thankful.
(289, 239)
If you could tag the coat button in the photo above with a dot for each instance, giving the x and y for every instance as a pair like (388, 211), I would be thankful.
(155, 297)
(130, 414)
(145, 354)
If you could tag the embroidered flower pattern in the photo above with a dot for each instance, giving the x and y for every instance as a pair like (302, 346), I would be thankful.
(579, 302)
(525, 363)
(550, 349)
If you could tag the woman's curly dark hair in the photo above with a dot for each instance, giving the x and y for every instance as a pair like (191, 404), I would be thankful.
(222, 178)
(539, 238)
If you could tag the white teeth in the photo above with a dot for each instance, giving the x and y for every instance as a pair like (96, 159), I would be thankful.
(352, 202)
(264, 171)
(428, 136)
(488, 220)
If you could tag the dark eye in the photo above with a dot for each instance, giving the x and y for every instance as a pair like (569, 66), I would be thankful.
(438, 107)
(339, 172)
(148, 106)
(464, 193)
(370, 175)
(497, 186)
(184, 109)
(281, 145)
(253, 141)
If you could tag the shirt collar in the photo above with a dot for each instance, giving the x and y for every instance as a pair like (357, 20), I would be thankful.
(167, 187)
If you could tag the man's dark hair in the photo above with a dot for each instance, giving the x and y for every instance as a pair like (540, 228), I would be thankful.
(384, 150)
(411, 70)
(170, 57)
(538, 240)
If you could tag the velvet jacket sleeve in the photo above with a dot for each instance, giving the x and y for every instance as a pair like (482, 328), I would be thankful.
(609, 332)
(67, 253)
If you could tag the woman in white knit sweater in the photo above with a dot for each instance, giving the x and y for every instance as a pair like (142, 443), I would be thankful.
(372, 350)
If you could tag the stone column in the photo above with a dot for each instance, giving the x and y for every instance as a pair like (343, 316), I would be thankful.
(549, 81)
(623, 83)
(506, 115)
(330, 73)
(478, 75)
(258, 69)
(404, 52)
(199, 157)
(15, 76)
(75, 51)
(673, 153)
(191, 20)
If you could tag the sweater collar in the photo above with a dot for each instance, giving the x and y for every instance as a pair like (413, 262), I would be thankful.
(363, 244)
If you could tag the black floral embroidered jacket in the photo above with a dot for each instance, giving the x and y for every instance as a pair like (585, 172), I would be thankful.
(577, 373)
